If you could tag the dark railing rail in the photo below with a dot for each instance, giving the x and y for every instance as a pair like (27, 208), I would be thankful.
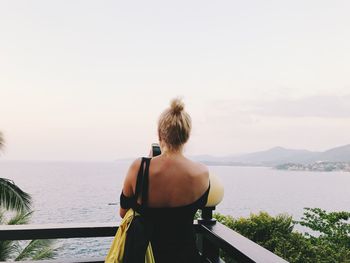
(237, 246)
(212, 236)
(52, 231)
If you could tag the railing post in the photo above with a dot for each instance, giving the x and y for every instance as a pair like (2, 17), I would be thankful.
(207, 216)
(209, 250)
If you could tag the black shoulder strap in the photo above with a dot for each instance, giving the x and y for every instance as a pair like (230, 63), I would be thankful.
(142, 181)
(145, 183)
(139, 179)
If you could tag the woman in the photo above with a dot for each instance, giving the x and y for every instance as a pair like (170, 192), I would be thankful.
(177, 188)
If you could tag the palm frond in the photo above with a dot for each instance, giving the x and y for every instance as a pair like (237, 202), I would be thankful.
(2, 217)
(7, 249)
(20, 218)
(37, 249)
(47, 253)
(33, 250)
(12, 197)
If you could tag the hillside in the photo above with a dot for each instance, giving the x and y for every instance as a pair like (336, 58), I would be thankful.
(279, 155)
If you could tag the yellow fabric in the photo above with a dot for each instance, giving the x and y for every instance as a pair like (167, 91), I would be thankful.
(216, 192)
(116, 252)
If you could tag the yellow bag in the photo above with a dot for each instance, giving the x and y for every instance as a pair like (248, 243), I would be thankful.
(116, 252)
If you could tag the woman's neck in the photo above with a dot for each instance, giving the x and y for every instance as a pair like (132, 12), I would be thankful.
(172, 153)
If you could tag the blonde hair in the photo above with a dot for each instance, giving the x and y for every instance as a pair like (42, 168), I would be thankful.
(174, 125)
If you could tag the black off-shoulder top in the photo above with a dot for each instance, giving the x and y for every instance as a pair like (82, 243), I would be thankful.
(173, 236)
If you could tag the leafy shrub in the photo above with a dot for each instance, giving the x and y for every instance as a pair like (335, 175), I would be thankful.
(330, 241)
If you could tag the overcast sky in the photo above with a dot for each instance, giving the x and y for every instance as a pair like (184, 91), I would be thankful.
(87, 80)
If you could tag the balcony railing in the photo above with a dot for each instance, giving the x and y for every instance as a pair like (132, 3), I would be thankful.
(212, 237)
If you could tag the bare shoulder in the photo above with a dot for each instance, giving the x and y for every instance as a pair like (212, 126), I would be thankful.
(200, 169)
(135, 164)
(204, 169)
(130, 179)
(200, 173)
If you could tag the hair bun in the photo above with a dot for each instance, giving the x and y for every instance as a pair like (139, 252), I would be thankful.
(177, 105)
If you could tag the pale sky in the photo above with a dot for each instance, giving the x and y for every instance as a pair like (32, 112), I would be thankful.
(87, 80)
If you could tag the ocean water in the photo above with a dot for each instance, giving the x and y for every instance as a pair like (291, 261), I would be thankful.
(72, 192)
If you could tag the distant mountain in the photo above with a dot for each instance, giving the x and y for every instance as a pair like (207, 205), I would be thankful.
(338, 154)
(276, 155)
(279, 155)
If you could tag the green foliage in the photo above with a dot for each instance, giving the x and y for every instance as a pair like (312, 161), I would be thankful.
(36, 250)
(12, 197)
(277, 234)
(15, 250)
(7, 247)
(331, 233)
(333, 227)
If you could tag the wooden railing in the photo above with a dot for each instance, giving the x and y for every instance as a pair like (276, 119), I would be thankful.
(212, 237)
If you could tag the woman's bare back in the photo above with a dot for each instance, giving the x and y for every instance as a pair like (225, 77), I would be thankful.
(176, 181)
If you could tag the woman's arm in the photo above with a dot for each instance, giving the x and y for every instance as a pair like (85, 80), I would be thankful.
(129, 183)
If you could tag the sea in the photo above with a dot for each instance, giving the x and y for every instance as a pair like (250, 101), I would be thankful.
(88, 192)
